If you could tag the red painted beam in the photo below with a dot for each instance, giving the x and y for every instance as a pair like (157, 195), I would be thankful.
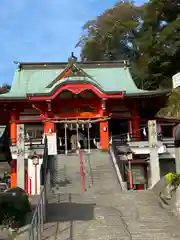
(77, 89)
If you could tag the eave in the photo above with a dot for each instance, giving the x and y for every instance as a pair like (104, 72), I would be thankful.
(106, 95)
(88, 64)
(76, 87)
(15, 99)
(148, 94)
(165, 119)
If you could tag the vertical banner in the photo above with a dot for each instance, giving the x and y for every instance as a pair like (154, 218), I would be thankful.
(52, 144)
(20, 157)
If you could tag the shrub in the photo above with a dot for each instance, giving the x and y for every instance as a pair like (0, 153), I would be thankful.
(14, 205)
(173, 179)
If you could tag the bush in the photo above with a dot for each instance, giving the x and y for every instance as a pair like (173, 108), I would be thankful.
(173, 179)
(14, 205)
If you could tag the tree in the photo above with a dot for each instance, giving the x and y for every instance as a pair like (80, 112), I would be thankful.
(109, 34)
(159, 44)
(172, 108)
(149, 36)
(6, 86)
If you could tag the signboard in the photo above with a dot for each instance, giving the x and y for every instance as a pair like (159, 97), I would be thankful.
(52, 144)
(119, 111)
(29, 111)
(31, 117)
(176, 80)
(76, 78)
(29, 114)
(138, 174)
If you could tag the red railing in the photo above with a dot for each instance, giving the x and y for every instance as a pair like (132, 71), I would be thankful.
(82, 170)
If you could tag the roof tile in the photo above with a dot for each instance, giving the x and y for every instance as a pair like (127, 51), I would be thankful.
(36, 80)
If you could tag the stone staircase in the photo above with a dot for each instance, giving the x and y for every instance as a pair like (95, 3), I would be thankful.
(65, 174)
(100, 172)
(104, 211)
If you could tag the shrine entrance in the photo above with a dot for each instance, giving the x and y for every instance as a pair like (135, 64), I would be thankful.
(73, 135)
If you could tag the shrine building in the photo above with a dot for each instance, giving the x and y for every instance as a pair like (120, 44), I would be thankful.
(47, 96)
(94, 101)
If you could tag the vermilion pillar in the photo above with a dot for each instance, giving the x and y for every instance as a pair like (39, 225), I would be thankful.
(49, 127)
(13, 127)
(13, 173)
(104, 135)
(136, 121)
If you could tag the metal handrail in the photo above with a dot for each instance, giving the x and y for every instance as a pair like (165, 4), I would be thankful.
(39, 216)
(37, 223)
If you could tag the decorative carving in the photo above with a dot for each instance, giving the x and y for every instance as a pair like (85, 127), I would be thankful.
(42, 115)
(78, 109)
(71, 71)
(77, 90)
(49, 106)
(103, 104)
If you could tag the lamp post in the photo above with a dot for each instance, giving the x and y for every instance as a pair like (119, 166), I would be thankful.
(129, 158)
(35, 162)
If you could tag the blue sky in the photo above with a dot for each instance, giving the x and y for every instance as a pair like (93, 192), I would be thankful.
(42, 30)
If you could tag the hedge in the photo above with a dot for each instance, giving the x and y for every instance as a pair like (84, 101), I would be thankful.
(14, 205)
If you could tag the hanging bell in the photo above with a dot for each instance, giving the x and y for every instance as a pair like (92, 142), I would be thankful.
(27, 136)
(82, 127)
(144, 132)
(71, 126)
(78, 144)
(94, 141)
(128, 137)
(90, 125)
(60, 142)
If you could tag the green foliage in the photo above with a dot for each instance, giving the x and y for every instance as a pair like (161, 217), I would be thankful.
(107, 34)
(172, 108)
(161, 25)
(14, 205)
(149, 36)
(173, 179)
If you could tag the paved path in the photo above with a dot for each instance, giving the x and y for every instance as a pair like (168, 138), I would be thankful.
(103, 212)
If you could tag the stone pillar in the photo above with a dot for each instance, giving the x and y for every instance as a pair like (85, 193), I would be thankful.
(13, 127)
(177, 161)
(154, 156)
(154, 166)
(104, 135)
(20, 156)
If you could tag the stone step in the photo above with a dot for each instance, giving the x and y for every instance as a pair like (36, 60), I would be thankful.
(103, 211)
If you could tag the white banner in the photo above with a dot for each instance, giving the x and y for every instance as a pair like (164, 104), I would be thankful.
(52, 144)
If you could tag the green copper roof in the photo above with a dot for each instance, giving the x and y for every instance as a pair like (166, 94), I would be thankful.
(35, 80)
